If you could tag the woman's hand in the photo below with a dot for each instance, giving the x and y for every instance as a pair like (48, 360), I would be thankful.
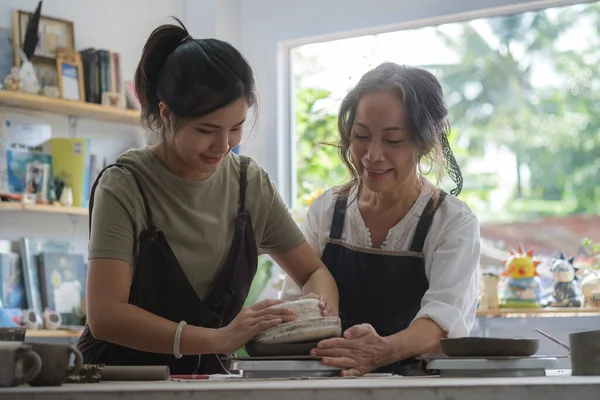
(251, 321)
(310, 274)
(326, 308)
(359, 351)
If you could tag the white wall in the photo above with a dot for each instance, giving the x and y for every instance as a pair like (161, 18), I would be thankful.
(215, 18)
(121, 26)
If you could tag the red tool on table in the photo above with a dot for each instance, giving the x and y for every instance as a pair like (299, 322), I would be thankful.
(190, 377)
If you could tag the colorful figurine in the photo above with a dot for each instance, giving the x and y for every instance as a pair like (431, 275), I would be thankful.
(521, 287)
(567, 289)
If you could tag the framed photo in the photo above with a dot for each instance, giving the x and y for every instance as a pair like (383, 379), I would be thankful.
(70, 76)
(37, 179)
(53, 34)
(47, 74)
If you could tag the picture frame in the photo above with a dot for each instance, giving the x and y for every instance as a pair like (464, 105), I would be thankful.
(70, 75)
(53, 33)
(37, 180)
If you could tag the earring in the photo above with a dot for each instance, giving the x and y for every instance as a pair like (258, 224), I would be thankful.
(424, 173)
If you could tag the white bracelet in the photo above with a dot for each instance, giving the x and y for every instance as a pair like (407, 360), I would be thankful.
(177, 340)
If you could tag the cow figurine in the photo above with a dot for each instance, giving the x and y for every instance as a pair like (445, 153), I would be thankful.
(567, 288)
(521, 286)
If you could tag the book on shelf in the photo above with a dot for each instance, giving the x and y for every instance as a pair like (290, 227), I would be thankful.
(71, 162)
(102, 73)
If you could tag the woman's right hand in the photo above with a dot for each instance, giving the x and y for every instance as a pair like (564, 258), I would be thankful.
(251, 321)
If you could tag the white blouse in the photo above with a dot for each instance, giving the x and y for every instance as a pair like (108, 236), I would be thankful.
(451, 253)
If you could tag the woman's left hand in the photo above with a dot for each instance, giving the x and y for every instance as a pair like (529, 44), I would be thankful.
(360, 351)
(327, 309)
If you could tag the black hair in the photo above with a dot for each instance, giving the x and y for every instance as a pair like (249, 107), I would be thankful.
(193, 77)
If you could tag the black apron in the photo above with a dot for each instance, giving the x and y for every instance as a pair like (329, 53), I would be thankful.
(379, 287)
(160, 286)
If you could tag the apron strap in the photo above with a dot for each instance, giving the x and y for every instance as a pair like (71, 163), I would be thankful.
(244, 162)
(339, 213)
(140, 188)
(425, 223)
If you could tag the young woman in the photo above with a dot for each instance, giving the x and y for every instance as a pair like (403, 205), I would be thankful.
(175, 229)
(404, 253)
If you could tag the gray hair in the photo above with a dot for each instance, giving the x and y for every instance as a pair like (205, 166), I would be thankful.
(423, 98)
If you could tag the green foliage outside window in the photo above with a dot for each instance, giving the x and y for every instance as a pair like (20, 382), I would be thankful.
(553, 130)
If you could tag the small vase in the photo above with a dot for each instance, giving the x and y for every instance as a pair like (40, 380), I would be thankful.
(66, 197)
(28, 78)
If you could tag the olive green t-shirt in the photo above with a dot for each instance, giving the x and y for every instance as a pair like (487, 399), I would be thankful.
(197, 217)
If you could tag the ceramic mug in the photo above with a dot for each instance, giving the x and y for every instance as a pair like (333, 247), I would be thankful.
(31, 319)
(585, 352)
(18, 364)
(55, 363)
(52, 319)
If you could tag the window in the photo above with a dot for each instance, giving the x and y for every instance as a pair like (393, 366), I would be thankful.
(524, 102)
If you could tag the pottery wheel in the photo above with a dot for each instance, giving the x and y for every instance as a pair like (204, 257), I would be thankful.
(255, 349)
(489, 347)
(265, 369)
(497, 367)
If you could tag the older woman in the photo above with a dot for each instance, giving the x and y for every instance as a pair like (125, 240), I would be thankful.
(403, 252)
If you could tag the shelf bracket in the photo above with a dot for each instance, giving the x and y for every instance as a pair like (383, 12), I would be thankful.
(73, 126)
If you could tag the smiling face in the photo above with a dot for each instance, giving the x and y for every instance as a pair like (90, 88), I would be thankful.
(200, 144)
(522, 266)
(381, 148)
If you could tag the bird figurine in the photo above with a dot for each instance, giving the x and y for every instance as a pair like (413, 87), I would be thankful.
(29, 80)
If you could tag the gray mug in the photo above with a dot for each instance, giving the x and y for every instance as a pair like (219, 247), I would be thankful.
(585, 352)
(55, 363)
(19, 364)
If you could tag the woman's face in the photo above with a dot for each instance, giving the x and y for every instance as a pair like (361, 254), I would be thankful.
(201, 143)
(381, 148)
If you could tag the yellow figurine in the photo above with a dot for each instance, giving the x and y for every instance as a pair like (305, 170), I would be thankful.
(521, 286)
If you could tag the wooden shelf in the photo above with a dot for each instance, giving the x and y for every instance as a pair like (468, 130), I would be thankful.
(47, 333)
(539, 312)
(14, 206)
(68, 107)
